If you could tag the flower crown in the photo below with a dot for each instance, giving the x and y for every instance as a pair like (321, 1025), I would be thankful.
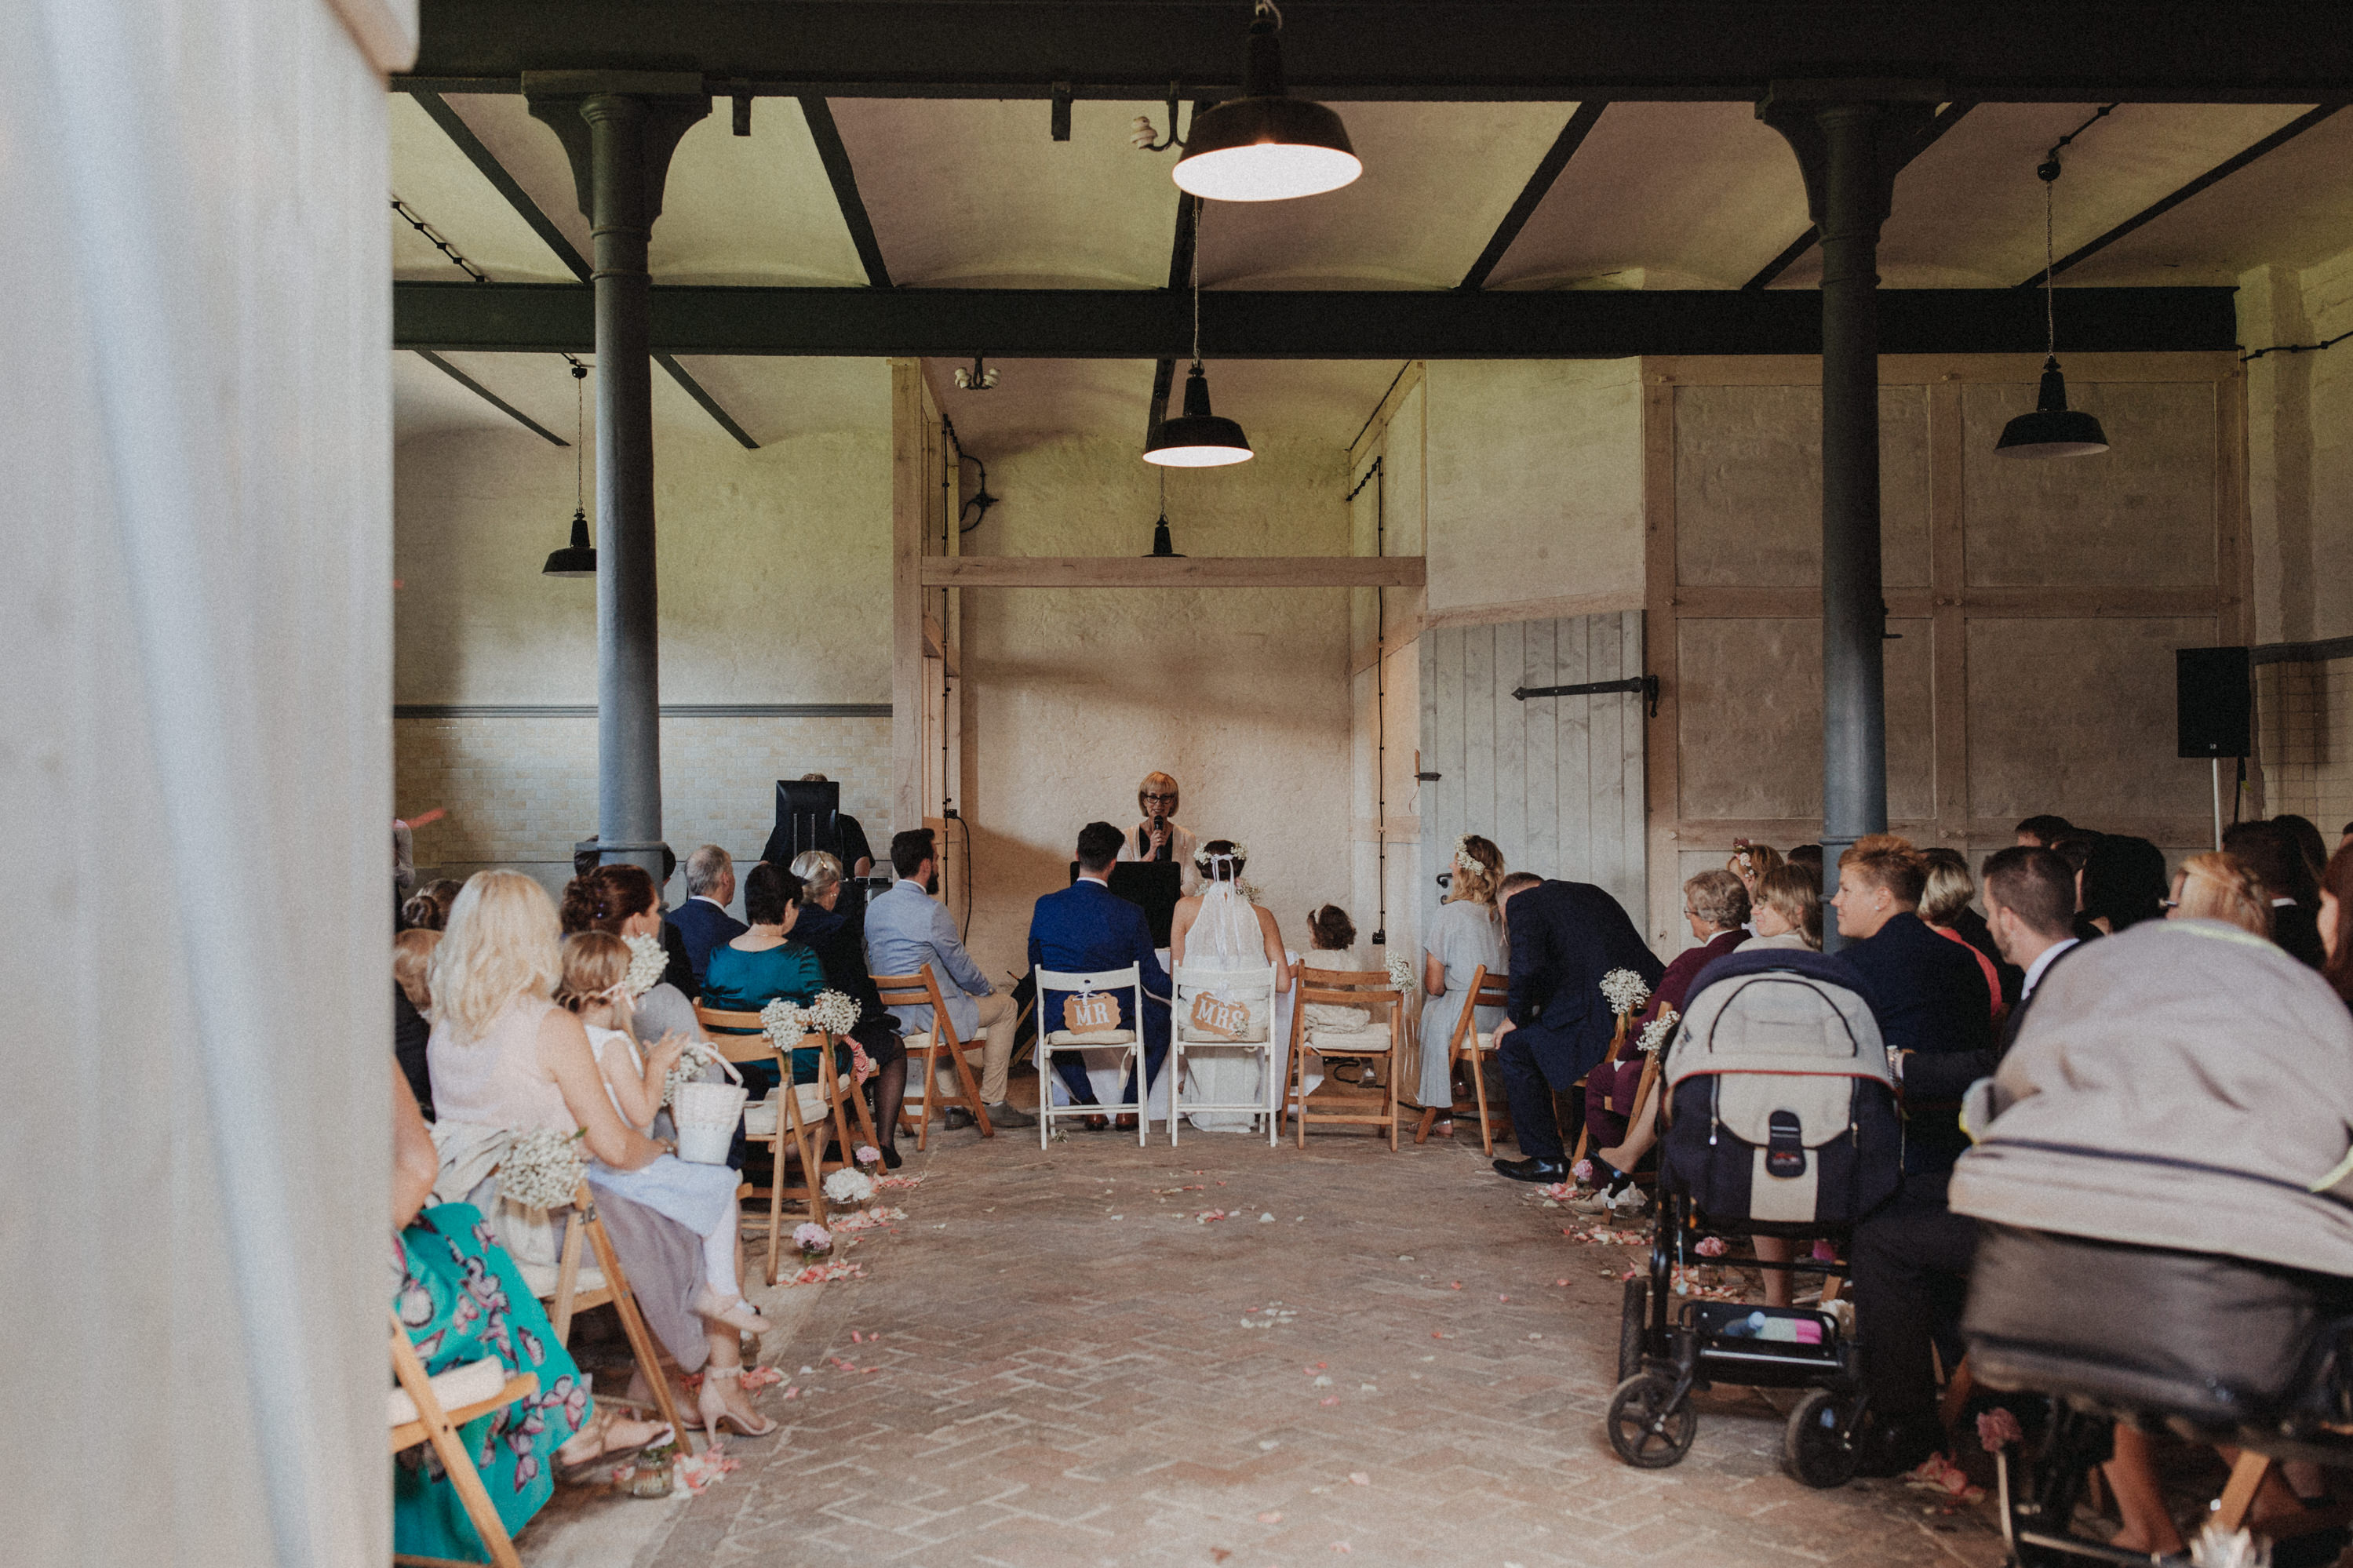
(1237, 853)
(1463, 859)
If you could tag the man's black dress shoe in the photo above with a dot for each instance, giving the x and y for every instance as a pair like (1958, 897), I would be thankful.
(1533, 1170)
(1887, 1448)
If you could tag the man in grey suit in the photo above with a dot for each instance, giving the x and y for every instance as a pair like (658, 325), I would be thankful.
(907, 931)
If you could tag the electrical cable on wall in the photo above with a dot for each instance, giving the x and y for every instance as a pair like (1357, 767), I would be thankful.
(2295, 348)
(1378, 479)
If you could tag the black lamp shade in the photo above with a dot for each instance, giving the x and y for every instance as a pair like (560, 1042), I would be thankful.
(577, 559)
(2052, 430)
(1197, 439)
(1266, 146)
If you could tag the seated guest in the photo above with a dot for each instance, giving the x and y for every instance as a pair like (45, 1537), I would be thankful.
(1332, 944)
(1157, 836)
(1912, 1258)
(427, 908)
(907, 932)
(620, 899)
(1561, 938)
(702, 921)
(1945, 900)
(1788, 909)
(1716, 907)
(2124, 882)
(2043, 832)
(765, 964)
(1466, 935)
(2336, 922)
(1751, 863)
(505, 1056)
(2029, 897)
(842, 956)
(1809, 856)
(2219, 886)
(2075, 849)
(461, 1300)
(680, 975)
(412, 1010)
(2270, 851)
(1086, 928)
(2307, 836)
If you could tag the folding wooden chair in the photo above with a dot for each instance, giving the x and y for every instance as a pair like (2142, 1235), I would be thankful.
(573, 1292)
(435, 1423)
(1469, 1046)
(1619, 1044)
(803, 1112)
(1347, 988)
(922, 990)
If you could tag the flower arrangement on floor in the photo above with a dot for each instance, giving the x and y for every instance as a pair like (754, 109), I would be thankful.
(544, 1169)
(869, 1158)
(853, 1189)
(814, 1241)
(648, 964)
(1657, 1032)
(1625, 991)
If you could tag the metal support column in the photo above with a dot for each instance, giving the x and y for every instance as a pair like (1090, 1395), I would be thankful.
(1849, 150)
(619, 130)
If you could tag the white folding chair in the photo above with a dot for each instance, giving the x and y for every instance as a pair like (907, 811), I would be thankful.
(1254, 989)
(1128, 1042)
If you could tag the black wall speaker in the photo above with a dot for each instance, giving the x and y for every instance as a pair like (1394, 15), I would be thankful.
(2213, 698)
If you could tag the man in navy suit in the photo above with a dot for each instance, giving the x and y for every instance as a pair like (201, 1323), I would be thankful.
(1085, 928)
(1564, 936)
(704, 920)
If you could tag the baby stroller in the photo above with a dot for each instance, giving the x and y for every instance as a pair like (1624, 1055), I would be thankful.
(1782, 1122)
(2165, 1181)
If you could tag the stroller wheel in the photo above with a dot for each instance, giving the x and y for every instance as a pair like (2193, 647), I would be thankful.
(1818, 1448)
(1649, 1428)
(1632, 1324)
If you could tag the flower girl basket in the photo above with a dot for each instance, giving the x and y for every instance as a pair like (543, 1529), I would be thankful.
(706, 1114)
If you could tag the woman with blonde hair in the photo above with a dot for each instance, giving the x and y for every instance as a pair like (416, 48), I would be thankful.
(1466, 935)
(1788, 911)
(505, 1056)
(2219, 886)
(1158, 836)
(1944, 900)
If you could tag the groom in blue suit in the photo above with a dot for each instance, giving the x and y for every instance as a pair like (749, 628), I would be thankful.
(1085, 928)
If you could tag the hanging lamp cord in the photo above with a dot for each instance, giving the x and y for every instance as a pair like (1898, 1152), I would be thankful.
(580, 435)
(2050, 300)
(1196, 282)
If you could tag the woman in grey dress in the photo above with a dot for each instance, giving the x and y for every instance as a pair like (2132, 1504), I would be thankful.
(1465, 935)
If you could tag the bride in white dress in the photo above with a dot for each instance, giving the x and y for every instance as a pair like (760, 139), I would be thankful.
(1220, 928)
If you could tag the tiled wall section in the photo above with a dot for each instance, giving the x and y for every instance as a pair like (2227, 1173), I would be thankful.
(2305, 719)
(521, 790)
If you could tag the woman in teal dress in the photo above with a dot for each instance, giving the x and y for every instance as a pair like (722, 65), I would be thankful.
(763, 965)
(461, 1300)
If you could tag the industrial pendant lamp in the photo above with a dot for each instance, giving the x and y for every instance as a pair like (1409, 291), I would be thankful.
(1163, 544)
(577, 559)
(2054, 429)
(1266, 146)
(1197, 439)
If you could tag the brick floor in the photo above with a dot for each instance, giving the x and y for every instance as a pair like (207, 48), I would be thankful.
(1062, 1376)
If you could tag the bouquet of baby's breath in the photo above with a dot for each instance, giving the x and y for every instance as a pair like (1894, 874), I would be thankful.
(786, 1023)
(1624, 991)
(543, 1170)
(691, 1065)
(834, 1011)
(1656, 1033)
(1401, 972)
(648, 962)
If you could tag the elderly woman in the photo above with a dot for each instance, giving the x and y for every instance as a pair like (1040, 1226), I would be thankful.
(1157, 836)
(505, 1056)
(619, 899)
(1466, 935)
(841, 954)
(1944, 900)
(765, 964)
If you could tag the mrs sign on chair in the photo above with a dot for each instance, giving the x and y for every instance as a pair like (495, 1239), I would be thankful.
(1224, 1012)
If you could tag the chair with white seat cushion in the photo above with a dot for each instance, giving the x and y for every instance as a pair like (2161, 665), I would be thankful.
(1252, 989)
(925, 1049)
(1382, 1043)
(1129, 1042)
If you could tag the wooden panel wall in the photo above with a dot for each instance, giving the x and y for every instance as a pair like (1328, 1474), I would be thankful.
(2037, 603)
(1556, 782)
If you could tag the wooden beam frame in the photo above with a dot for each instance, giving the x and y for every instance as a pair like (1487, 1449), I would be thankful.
(1171, 571)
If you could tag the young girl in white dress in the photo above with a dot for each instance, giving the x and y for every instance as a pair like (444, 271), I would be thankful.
(700, 1197)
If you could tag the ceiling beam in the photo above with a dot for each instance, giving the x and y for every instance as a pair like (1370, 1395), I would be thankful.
(2180, 51)
(2215, 175)
(835, 156)
(1531, 194)
(493, 398)
(1173, 571)
(556, 240)
(1353, 324)
(1947, 118)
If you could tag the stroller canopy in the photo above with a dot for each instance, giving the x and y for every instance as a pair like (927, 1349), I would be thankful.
(2181, 1084)
(1778, 1010)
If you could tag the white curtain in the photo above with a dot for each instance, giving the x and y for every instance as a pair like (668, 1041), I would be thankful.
(195, 758)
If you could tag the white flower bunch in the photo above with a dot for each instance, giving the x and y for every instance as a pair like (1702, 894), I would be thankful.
(689, 1069)
(543, 1170)
(648, 962)
(786, 1023)
(1463, 859)
(1624, 991)
(847, 1186)
(834, 1011)
(1655, 1032)
(1205, 862)
(1401, 972)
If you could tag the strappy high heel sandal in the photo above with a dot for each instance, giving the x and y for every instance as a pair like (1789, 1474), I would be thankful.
(716, 1416)
(733, 1310)
(572, 1472)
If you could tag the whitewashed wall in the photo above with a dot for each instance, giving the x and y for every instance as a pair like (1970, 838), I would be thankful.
(196, 763)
